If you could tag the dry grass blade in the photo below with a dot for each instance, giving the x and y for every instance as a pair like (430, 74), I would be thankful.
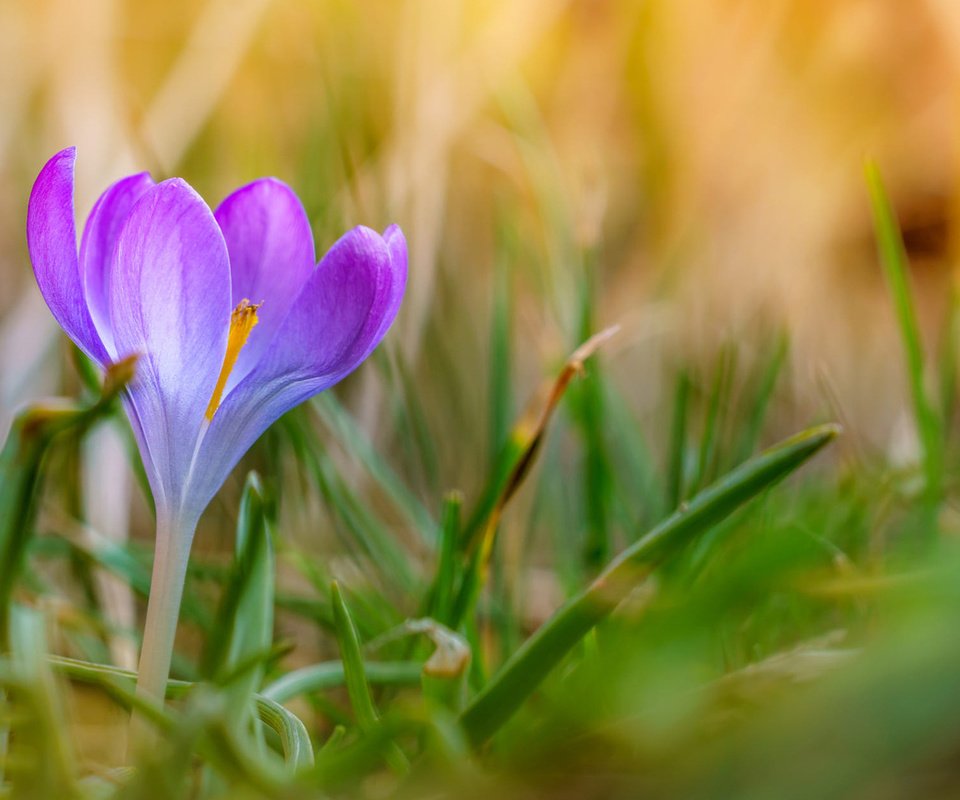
(527, 434)
(514, 464)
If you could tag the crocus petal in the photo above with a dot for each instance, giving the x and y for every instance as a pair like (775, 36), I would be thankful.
(397, 245)
(169, 301)
(271, 256)
(52, 242)
(96, 248)
(342, 313)
(344, 310)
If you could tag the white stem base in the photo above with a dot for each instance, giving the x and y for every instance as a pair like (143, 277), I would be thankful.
(172, 551)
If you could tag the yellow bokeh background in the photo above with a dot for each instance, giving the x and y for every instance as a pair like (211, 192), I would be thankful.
(707, 154)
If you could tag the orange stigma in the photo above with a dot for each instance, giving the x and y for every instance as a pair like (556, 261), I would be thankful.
(242, 320)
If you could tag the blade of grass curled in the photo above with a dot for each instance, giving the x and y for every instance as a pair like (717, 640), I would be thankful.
(893, 258)
(119, 683)
(330, 674)
(520, 676)
(297, 749)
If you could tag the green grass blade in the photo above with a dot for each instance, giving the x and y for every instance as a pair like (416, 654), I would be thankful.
(342, 425)
(710, 442)
(412, 425)
(520, 452)
(20, 478)
(364, 527)
(331, 674)
(244, 624)
(893, 258)
(639, 490)
(21, 459)
(509, 456)
(553, 640)
(334, 741)
(752, 427)
(40, 761)
(355, 675)
(294, 739)
(119, 560)
(446, 578)
(948, 364)
(501, 330)
(358, 687)
(586, 400)
(677, 461)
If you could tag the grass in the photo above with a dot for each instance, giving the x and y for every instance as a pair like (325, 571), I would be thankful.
(712, 621)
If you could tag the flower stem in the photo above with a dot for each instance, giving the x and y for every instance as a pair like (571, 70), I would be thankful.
(172, 550)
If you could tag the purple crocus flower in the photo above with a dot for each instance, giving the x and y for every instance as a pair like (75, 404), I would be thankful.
(233, 321)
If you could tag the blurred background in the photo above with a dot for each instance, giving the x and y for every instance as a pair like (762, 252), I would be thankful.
(699, 162)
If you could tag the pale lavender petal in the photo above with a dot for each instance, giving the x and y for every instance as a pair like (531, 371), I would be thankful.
(170, 302)
(97, 244)
(397, 245)
(52, 242)
(271, 256)
(345, 309)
